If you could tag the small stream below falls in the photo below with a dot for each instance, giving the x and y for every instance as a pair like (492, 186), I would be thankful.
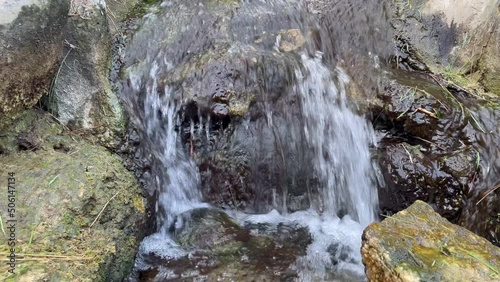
(259, 159)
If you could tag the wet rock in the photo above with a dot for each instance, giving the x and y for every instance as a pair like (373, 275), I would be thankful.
(226, 84)
(439, 160)
(417, 244)
(340, 253)
(460, 164)
(31, 44)
(482, 212)
(206, 228)
(416, 107)
(222, 249)
(290, 40)
(78, 209)
(82, 98)
(412, 173)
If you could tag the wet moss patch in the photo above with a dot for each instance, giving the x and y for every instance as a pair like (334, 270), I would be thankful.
(78, 211)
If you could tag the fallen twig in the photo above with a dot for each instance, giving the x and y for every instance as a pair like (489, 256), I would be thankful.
(102, 210)
(409, 155)
(422, 110)
(432, 143)
(488, 193)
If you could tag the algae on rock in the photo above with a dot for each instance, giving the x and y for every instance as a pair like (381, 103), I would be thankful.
(417, 244)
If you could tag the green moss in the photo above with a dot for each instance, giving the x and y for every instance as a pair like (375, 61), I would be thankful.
(456, 77)
(87, 178)
(141, 8)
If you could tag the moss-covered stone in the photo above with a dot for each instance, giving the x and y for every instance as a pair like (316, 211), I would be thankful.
(206, 228)
(77, 208)
(419, 245)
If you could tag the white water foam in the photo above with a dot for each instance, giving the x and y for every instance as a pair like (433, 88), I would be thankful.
(327, 232)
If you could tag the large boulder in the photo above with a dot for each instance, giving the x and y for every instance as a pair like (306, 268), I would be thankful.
(78, 209)
(419, 245)
(31, 45)
(82, 96)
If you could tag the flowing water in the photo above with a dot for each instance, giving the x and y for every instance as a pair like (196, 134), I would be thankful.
(340, 141)
(334, 140)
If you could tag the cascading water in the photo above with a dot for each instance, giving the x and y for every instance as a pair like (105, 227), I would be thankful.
(175, 183)
(178, 191)
(339, 139)
(337, 142)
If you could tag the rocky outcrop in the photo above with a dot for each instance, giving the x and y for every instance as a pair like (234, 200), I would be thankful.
(225, 77)
(428, 152)
(82, 96)
(457, 39)
(440, 145)
(78, 209)
(419, 245)
(31, 44)
(61, 50)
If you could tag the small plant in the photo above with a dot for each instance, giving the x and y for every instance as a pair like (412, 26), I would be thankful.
(32, 235)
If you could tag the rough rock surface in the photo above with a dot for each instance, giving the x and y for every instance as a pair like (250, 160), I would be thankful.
(78, 209)
(290, 40)
(426, 153)
(31, 43)
(440, 145)
(419, 245)
(82, 98)
(458, 39)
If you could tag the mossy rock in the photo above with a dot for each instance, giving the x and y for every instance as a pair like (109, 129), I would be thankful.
(78, 209)
(417, 244)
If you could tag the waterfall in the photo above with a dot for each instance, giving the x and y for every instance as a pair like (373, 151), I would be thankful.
(177, 184)
(339, 140)
(327, 133)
